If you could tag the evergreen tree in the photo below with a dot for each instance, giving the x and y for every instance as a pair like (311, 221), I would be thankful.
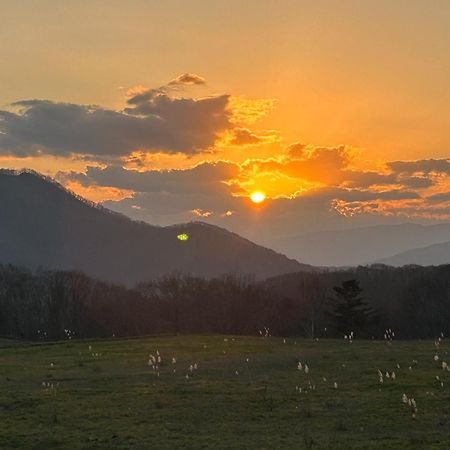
(349, 311)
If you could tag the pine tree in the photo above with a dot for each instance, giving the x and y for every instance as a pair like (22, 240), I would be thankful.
(349, 311)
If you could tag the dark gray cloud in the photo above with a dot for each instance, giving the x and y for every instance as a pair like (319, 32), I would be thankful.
(358, 179)
(153, 121)
(243, 136)
(415, 182)
(367, 179)
(168, 196)
(439, 198)
(331, 193)
(203, 179)
(167, 208)
(425, 166)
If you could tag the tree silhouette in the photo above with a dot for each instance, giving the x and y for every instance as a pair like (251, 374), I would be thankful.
(348, 309)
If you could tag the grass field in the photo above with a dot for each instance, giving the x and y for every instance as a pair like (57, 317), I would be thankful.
(241, 392)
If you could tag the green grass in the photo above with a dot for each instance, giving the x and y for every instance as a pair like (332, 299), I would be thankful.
(116, 400)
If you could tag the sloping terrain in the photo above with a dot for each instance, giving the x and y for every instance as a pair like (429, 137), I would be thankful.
(42, 224)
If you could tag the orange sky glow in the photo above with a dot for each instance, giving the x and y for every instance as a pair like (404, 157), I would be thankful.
(332, 109)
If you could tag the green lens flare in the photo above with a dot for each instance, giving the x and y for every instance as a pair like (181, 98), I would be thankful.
(183, 237)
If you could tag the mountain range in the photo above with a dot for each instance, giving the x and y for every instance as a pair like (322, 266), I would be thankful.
(432, 255)
(401, 244)
(44, 225)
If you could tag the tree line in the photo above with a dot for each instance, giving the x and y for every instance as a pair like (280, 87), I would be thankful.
(364, 301)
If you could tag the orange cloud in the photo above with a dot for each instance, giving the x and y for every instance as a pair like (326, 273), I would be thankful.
(205, 154)
(136, 90)
(201, 213)
(243, 137)
(98, 194)
(45, 164)
(187, 79)
(244, 111)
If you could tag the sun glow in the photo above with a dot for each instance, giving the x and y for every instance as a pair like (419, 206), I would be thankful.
(257, 197)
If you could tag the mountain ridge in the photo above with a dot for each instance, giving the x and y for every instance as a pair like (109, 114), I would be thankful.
(430, 255)
(44, 224)
(363, 245)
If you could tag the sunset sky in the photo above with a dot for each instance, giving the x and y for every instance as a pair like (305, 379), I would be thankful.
(171, 111)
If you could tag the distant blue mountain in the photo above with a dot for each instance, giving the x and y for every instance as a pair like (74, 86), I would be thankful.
(365, 245)
(433, 255)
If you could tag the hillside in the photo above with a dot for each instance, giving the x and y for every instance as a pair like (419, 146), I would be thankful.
(426, 256)
(358, 246)
(42, 224)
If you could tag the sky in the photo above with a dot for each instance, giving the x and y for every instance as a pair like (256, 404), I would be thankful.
(337, 111)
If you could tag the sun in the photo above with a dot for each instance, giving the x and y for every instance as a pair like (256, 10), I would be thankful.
(257, 197)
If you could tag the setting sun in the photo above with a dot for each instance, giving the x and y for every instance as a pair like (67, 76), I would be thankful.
(257, 197)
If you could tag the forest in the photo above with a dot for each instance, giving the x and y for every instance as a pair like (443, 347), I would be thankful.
(412, 302)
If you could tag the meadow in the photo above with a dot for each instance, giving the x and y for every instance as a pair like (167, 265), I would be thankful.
(195, 392)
